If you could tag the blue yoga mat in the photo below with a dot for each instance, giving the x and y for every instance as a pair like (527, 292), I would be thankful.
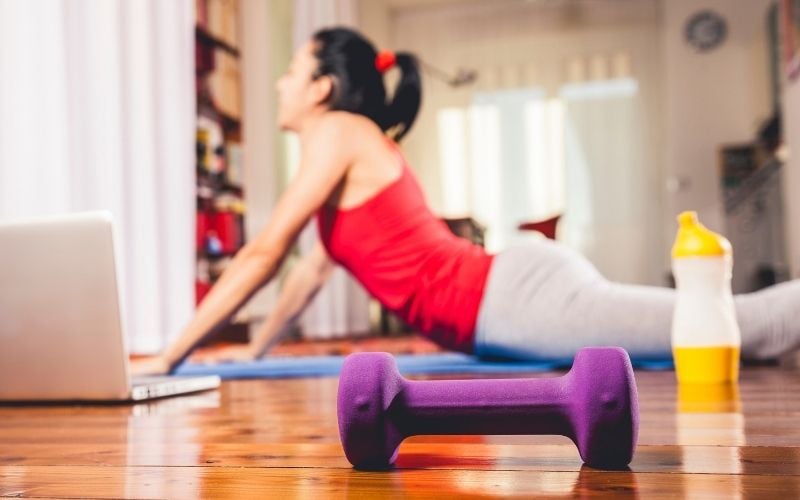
(416, 364)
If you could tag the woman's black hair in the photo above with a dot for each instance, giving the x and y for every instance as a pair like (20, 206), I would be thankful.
(358, 86)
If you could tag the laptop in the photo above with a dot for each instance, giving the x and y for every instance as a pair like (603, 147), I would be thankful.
(61, 336)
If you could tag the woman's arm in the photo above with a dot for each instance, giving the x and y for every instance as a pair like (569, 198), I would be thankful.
(327, 153)
(246, 273)
(303, 282)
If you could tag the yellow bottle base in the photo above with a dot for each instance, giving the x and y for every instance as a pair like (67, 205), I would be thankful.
(722, 397)
(706, 365)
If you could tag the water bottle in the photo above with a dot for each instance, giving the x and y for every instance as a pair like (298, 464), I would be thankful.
(705, 335)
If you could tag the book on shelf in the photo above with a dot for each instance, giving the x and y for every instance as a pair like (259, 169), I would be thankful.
(223, 85)
(221, 20)
(210, 145)
(235, 163)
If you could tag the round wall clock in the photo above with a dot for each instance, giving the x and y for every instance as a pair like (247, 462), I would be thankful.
(705, 30)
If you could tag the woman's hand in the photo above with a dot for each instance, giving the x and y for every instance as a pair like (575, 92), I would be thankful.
(155, 365)
(230, 353)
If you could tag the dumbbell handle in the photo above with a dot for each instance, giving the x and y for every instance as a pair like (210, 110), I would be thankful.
(500, 406)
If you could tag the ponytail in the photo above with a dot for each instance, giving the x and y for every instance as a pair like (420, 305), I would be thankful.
(402, 111)
(359, 87)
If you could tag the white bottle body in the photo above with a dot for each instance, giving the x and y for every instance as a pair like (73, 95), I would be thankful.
(704, 311)
(706, 339)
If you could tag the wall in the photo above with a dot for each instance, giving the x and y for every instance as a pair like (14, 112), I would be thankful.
(375, 22)
(710, 99)
(791, 178)
(791, 115)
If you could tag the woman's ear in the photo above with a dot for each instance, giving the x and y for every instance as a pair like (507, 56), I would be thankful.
(322, 89)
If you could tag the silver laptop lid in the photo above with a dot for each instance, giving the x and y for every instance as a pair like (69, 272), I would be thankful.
(60, 330)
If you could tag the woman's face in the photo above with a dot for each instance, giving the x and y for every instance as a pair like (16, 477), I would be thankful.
(298, 93)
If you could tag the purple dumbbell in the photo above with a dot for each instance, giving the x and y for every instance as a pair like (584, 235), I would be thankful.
(595, 404)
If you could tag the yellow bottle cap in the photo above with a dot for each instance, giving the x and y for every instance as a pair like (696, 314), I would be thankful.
(696, 240)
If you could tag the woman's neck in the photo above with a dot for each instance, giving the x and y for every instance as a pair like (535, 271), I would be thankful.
(309, 122)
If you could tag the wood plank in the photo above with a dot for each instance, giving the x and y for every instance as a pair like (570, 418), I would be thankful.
(414, 454)
(218, 482)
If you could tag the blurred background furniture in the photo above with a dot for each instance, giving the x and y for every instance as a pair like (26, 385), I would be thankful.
(547, 226)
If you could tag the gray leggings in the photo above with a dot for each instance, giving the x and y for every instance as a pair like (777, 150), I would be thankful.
(545, 300)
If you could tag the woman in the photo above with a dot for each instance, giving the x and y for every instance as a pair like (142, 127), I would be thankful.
(540, 300)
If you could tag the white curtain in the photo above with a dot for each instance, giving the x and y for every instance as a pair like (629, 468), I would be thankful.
(97, 112)
(342, 306)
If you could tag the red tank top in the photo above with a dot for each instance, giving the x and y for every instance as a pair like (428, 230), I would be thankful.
(409, 260)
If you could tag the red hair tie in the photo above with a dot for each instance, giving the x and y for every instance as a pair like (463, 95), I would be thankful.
(385, 60)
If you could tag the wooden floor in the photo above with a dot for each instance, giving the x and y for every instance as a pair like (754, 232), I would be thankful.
(279, 437)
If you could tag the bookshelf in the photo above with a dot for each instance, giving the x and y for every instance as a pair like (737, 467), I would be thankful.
(221, 205)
